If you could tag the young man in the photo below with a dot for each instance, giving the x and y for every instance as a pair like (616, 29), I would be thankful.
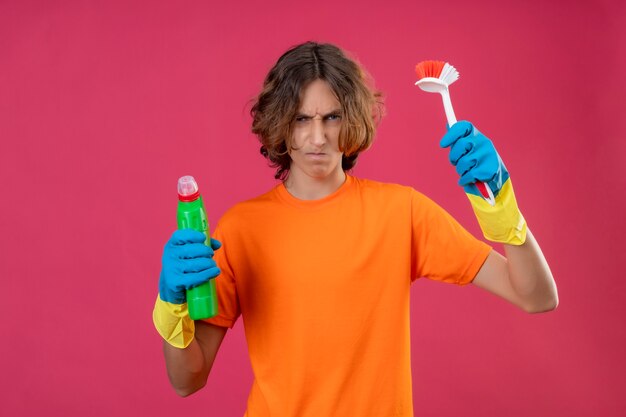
(320, 267)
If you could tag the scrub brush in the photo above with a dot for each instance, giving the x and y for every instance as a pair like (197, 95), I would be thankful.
(435, 77)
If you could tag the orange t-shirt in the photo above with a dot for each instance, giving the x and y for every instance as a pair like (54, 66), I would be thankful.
(323, 290)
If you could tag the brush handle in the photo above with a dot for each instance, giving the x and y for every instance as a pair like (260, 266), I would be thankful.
(447, 106)
(483, 187)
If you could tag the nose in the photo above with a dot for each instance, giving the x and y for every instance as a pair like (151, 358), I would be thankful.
(318, 132)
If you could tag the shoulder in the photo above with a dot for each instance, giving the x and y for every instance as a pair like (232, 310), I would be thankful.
(397, 196)
(387, 189)
(251, 208)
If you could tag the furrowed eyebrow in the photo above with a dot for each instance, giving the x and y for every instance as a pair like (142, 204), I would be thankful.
(336, 112)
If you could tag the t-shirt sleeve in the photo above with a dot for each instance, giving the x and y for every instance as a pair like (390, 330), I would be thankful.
(442, 249)
(228, 302)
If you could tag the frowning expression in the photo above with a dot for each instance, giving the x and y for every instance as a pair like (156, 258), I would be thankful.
(315, 141)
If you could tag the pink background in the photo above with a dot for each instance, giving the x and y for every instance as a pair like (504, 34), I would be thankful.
(103, 105)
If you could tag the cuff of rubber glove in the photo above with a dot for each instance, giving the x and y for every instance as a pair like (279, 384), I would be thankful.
(502, 222)
(173, 323)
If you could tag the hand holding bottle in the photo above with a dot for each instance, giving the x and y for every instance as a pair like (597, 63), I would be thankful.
(186, 263)
(186, 289)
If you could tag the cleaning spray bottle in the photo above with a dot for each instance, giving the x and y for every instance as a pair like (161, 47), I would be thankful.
(201, 300)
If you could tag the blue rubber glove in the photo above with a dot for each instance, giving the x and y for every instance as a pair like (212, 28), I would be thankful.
(186, 263)
(476, 159)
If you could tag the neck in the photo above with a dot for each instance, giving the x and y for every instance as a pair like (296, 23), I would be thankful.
(305, 187)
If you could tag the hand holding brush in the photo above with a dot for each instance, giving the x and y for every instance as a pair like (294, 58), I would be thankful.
(482, 173)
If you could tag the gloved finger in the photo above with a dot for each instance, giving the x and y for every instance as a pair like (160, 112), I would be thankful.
(484, 171)
(215, 244)
(191, 250)
(457, 131)
(184, 236)
(467, 179)
(462, 147)
(197, 265)
(466, 164)
(471, 189)
(483, 143)
(192, 280)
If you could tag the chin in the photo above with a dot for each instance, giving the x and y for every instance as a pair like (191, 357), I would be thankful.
(322, 170)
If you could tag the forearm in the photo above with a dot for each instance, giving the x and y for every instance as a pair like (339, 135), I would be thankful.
(186, 368)
(530, 276)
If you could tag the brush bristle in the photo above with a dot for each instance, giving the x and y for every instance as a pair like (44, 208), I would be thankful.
(430, 69)
(437, 69)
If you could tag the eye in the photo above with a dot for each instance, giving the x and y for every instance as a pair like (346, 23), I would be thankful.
(333, 117)
(302, 119)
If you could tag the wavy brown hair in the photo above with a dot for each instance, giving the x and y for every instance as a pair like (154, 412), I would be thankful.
(276, 106)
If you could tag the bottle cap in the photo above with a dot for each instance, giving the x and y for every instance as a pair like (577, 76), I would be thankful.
(187, 188)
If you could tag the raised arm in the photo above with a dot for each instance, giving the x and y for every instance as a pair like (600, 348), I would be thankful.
(523, 277)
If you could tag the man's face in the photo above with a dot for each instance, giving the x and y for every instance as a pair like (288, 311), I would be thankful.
(316, 129)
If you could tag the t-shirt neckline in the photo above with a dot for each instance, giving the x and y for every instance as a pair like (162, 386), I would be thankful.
(284, 195)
